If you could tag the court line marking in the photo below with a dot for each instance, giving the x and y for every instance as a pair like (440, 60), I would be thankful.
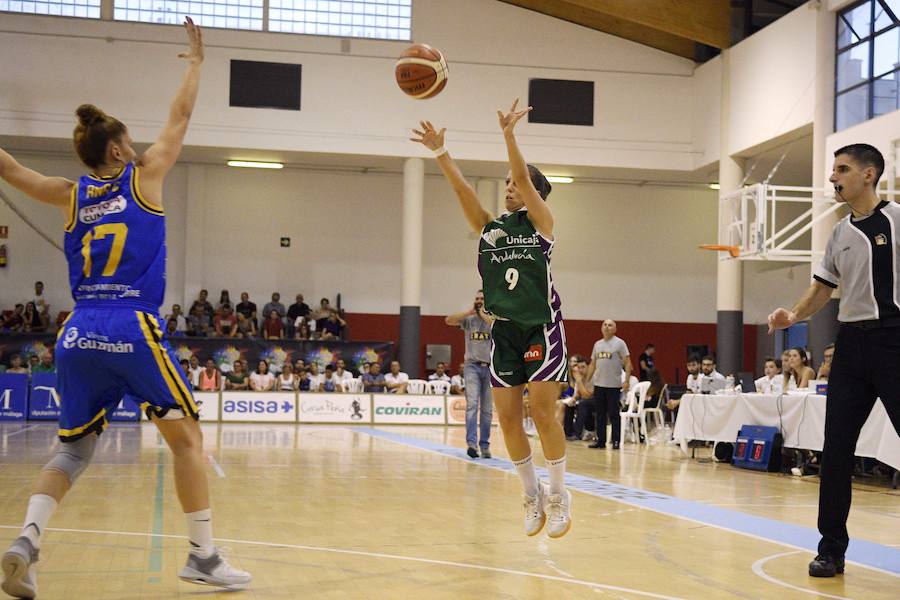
(758, 570)
(863, 553)
(431, 561)
(155, 563)
(215, 465)
(29, 428)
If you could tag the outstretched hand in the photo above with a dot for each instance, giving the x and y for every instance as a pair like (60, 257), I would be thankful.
(781, 319)
(429, 136)
(195, 39)
(508, 120)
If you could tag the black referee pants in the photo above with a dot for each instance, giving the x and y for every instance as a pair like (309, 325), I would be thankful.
(866, 366)
(607, 403)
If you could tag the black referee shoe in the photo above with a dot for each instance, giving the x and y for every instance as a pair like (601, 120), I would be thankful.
(472, 452)
(826, 566)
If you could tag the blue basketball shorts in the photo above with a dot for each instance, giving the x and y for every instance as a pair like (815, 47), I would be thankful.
(103, 354)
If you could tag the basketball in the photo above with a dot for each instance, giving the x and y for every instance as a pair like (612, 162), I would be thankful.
(421, 71)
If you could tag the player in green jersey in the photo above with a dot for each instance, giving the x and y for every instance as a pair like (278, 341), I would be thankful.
(529, 341)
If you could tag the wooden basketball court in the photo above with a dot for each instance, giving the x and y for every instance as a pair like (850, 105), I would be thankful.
(398, 512)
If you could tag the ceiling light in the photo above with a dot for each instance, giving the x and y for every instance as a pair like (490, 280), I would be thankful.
(714, 186)
(252, 164)
(559, 179)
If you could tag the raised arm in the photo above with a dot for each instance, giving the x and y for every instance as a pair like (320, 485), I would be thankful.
(456, 319)
(161, 156)
(50, 190)
(432, 139)
(538, 211)
(813, 299)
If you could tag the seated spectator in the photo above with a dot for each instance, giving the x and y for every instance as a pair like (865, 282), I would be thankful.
(181, 323)
(203, 304)
(440, 373)
(299, 364)
(785, 361)
(332, 326)
(458, 381)
(45, 365)
(365, 369)
(33, 361)
(17, 364)
(185, 365)
(40, 302)
(771, 382)
(302, 379)
(825, 368)
(237, 378)
(373, 381)
(799, 373)
(274, 305)
(199, 323)
(708, 368)
(261, 380)
(225, 322)
(396, 381)
(224, 299)
(32, 320)
(286, 380)
(273, 329)
(210, 378)
(342, 373)
(15, 323)
(693, 376)
(330, 381)
(172, 329)
(315, 377)
(246, 328)
(302, 330)
(194, 371)
(247, 308)
(295, 311)
(321, 313)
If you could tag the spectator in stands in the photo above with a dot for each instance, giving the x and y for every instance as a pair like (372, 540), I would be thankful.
(203, 304)
(302, 329)
(45, 365)
(396, 380)
(247, 308)
(343, 374)
(799, 372)
(373, 380)
(32, 320)
(273, 329)
(181, 323)
(693, 377)
(295, 311)
(771, 382)
(33, 361)
(286, 380)
(584, 393)
(16, 321)
(186, 368)
(40, 302)
(646, 362)
(274, 305)
(458, 381)
(2, 366)
(246, 328)
(199, 322)
(365, 369)
(261, 380)
(302, 378)
(440, 373)
(210, 378)
(237, 378)
(315, 377)
(17, 364)
(194, 370)
(785, 361)
(825, 367)
(321, 313)
(172, 329)
(299, 364)
(330, 381)
(225, 321)
(332, 326)
(224, 299)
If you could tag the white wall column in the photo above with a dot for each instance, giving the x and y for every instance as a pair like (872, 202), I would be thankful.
(411, 265)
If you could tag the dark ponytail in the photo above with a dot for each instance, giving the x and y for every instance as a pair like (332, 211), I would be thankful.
(93, 133)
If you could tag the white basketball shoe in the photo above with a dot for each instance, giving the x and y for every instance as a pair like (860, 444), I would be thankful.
(559, 514)
(18, 564)
(534, 510)
(214, 571)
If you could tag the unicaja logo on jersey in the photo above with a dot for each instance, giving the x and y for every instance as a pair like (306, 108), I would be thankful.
(71, 338)
(492, 236)
(535, 352)
(95, 212)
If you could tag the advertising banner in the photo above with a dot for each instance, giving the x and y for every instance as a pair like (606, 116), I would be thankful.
(260, 407)
(43, 403)
(128, 409)
(334, 408)
(13, 396)
(409, 408)
(208, 403)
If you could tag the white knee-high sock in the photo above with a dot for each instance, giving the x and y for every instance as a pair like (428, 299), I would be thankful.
(200, 532)
(40, 509)
(557, 471)
(525, 468)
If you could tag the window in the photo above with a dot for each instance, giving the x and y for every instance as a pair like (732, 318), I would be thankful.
(867, 65)
(231, 14)
(88, 9)
(382, 19)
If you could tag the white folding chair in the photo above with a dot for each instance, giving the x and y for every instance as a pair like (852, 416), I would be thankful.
(439, 386)
(634, 412)
(416, 386)
(352, 386)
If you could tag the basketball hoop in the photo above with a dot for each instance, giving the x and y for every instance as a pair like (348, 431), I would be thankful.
(734, 251)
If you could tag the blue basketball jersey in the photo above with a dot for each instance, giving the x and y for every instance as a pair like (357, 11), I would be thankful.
(115, 243)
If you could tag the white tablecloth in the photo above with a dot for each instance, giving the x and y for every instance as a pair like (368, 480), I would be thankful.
(799, 416)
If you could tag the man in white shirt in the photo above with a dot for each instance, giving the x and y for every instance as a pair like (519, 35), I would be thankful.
(693, 378)
(342, 373)
(316, 379)
(440, 373)
(195, 371)
(708, 369)
(772, 382)
(396, 381)
(458, 381)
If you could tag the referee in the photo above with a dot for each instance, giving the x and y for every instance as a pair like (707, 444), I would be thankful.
(864, 257)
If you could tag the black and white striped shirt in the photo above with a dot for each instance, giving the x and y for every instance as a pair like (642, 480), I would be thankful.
(863, 255)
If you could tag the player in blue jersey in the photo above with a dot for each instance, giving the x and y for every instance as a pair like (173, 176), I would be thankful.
(112, 344)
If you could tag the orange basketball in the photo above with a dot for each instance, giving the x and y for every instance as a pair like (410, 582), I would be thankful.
(421, 71)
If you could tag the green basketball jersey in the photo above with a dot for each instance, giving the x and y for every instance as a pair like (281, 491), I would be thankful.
(514, 263)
